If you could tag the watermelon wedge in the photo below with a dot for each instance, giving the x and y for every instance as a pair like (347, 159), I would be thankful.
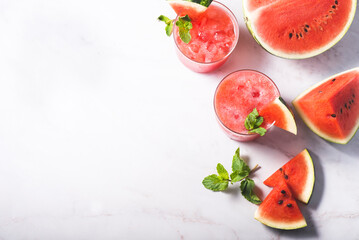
(280, 210)
(192, 8)
(331, 107)
(279, 115)
(298, 174)
(298, 29)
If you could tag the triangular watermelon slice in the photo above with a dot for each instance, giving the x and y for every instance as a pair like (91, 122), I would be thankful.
(280, 210)
(299, 175)
(330, 108)
(278, 114)
(192, 8)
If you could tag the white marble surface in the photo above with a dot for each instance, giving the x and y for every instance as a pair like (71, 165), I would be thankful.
(105, 135)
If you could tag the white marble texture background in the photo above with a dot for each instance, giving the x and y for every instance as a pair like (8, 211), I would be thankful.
(105, 135)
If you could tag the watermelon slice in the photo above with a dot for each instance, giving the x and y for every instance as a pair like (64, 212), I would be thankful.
(331, 107)
(279, 115)
(298, 29)
(298, 174)
(192, 8)
(280, 210)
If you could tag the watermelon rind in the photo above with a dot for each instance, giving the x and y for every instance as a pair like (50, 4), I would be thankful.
(309, 185)
(279, 224)
(265, 46)
(205, 3)
(308, 122)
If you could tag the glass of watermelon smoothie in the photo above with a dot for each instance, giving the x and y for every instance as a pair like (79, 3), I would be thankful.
(237, 95)
(214, 36)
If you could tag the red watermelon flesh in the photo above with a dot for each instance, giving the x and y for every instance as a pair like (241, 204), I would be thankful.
(298, 29)
(298, 174)
(277, 113)
(331, 108)
(280, 210)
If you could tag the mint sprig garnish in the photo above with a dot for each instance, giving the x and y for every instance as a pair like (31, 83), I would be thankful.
(184, 26)
(169, 24)
(253, 123)
(240, 172)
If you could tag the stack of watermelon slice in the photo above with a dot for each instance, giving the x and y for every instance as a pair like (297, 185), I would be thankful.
(294, 180)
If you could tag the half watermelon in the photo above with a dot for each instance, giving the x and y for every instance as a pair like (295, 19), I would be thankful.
(280, 210)
(298, 174)
(331, 107)
(298, 29)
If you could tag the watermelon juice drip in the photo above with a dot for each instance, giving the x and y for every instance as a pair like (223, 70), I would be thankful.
(237, 95)
(214, 36)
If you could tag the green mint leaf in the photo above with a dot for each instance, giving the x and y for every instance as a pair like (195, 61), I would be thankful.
(185, 19)
(184, 26)
(169, 29)
(236, 161)
(240, 169)
(215, 183)
(251, 119)
(185, 35)
(258, 122)
(247, 187)
(222, 172)
(238, 176)
(253, 123)
(169, 24)
(261, 131)
(164, 19)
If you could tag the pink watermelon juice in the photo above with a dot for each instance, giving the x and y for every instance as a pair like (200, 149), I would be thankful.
(237, 95)
(214, 36)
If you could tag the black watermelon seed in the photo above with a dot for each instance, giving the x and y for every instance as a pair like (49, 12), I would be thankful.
(290, 35)
(280, 202)
(320, 91)
(349, 107)
(333, 115)
(300, 34)
(280, 169)
(305, 30)
(285, 176)
(341, 110)
(350, 102)
(345, 105)
(306, 25)
(283, 192)
(336, 2)
(333, 80)
(289, 205)
(297, 35)
(353, 95)
(333, 6)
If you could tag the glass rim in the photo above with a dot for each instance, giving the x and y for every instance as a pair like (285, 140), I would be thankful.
(236, 30)
(214, 102)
